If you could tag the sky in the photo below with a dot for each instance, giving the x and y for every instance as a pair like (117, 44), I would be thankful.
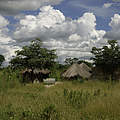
(72, 27)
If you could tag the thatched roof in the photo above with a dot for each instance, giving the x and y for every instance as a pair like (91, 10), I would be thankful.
(85, 67)
(43, 71)
(81, 70)
(37, 71)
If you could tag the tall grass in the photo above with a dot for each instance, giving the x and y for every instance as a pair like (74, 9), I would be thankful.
(9, 79)
(88, 100)
(80, 98)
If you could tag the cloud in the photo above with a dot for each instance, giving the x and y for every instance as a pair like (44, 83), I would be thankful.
(116, 0)
(99, 9)
(115, 25)
(3, 22)
(7, 47)
(70, 37)
(40, 24)
(11, 7)
(107, 5)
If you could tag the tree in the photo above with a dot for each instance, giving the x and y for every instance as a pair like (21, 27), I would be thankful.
(107, 58)
(34, 56)
(2, 59)
(70, 61)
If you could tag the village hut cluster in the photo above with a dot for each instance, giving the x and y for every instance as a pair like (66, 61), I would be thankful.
(74, 71)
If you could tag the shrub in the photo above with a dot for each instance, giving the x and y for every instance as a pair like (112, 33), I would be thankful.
(50, 113)
(9, 79)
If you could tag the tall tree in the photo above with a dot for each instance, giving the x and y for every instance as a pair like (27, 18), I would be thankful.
(34, 56)
(107, 58)
(2, 59)
(70, 61)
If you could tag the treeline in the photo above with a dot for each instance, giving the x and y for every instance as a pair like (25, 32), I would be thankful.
(33, 56)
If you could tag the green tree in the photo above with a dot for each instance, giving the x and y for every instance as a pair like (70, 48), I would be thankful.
(34, 56)
(2, 59)
(70, 61)
(107, 58)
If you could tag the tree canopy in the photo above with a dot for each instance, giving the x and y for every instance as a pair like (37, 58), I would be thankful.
(70, 61)
(108, 57)
(2, 59)
(34, 56)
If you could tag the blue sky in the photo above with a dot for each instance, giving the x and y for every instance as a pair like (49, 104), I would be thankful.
(72, 27)
(76, 8)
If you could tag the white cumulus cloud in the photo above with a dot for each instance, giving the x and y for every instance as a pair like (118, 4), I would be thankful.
(6, 43)
(114, 33)
(3, 22)
(70, 37)
(107, 5)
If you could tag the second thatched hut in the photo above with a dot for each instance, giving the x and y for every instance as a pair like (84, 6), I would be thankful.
(77, 70)
(36, 74)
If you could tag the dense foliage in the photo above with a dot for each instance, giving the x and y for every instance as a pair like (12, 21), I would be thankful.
(34, 56)
(2, 59)
(107, 58)
(70, 61)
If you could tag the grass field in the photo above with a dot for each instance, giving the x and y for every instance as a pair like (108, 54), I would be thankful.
(91, 100)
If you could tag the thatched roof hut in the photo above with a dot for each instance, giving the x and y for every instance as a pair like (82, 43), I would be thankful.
(81, 70)
(39, 74)
(43, 71)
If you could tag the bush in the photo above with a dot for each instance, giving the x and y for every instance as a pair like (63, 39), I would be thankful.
(9, 79)
(50, 113)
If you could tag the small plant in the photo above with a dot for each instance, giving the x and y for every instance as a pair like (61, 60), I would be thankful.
(65, 92)
(50, 113)
(81, 80)
(97, 92)
(29, 114)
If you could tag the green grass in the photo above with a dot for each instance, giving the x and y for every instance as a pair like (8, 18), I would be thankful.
(91, 100)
